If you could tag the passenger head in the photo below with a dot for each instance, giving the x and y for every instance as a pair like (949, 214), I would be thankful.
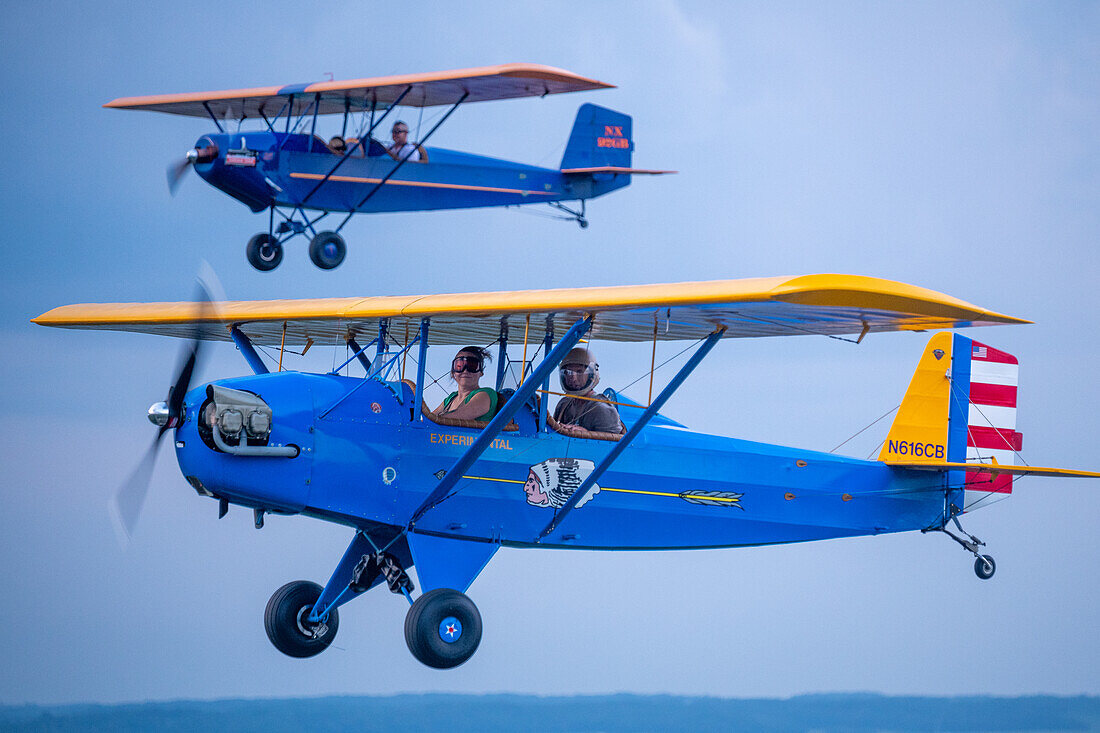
(579, 373)
(400, 132)
(469, 363)
(337, 144)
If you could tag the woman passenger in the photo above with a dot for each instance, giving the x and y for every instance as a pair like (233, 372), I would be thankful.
(469, 402)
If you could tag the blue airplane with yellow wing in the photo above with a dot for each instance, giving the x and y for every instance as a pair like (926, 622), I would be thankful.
(283, 167)
(440, 494)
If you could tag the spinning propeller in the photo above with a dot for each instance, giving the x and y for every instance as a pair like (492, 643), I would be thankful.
(126, 507)
(177, 169)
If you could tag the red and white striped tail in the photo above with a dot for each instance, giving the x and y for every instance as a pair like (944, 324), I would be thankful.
(991, 432)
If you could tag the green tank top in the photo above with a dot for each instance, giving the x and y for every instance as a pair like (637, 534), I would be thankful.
(492, 402)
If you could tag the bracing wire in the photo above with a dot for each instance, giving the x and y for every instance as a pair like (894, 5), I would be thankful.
(867, 427)
(663, 363)
(970, 403)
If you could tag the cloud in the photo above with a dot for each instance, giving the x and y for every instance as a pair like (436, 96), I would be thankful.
(700, 43)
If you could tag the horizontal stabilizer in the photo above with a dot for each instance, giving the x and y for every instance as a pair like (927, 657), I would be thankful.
(615, 169)
(996, 468)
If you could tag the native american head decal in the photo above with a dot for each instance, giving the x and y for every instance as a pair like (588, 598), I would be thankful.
(553, 481)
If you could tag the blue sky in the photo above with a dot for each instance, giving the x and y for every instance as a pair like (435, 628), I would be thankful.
(950, 146)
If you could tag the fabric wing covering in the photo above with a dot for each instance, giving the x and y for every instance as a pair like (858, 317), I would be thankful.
(482, 84)
(833, 305)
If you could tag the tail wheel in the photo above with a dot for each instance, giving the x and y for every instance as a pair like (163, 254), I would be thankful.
(287, 623)
(264, 252)
(327, 250)
(443, 628)
(984, 567)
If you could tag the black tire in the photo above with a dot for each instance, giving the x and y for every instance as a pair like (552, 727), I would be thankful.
(264, 252)
(424, 632)
(327, 250)
(984, 567)
(286, 625)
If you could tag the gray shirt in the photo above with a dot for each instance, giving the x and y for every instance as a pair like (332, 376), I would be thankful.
(599, 417)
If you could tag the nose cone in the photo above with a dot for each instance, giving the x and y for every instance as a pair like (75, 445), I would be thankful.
(236, 164)
(158, 414)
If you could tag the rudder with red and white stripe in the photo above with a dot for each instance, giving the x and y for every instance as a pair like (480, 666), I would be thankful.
(991, 418)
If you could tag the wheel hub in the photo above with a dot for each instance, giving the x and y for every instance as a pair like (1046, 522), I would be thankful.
(450, 629)
(310, 629)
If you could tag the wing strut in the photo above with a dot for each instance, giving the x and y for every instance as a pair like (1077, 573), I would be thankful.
(547, 342)
(490, 432)
(358, 350)
(633, 433)
(248, 351)
(502, 354)
(421, 360)
(206, 106)
(378, 186)
(353, 148)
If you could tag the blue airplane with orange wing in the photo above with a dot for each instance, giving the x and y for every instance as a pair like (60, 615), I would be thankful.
(283, 166)
(420, 490)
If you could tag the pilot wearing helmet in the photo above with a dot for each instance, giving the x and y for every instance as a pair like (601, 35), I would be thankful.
(579, 374)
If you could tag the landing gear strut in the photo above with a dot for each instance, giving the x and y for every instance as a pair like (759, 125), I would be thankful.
(984, 566)
(576, 215)
(442, 627)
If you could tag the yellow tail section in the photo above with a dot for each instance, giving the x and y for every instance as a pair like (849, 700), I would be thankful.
(919, 433)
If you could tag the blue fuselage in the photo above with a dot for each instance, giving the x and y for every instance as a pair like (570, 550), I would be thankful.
(262, 169)
(365, 460)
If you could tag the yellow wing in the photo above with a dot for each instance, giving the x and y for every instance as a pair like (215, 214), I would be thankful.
(776, 306)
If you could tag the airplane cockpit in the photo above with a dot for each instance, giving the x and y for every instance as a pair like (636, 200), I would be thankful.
(525, 422)
(338, 145)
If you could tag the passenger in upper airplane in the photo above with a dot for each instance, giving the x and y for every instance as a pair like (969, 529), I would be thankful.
(579, 374)
(470, 401)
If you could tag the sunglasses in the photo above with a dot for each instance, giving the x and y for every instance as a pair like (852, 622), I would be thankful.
(466, 364)
(401, 132)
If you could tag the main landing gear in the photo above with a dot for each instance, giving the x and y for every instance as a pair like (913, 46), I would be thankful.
(265, 250)
(984, 565)
(442, 627)
(326, 250)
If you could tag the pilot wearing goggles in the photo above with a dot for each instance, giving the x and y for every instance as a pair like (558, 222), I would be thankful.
(470, 401)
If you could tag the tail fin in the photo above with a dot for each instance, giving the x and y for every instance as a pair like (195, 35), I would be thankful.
(601, 137)
(960, 407)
